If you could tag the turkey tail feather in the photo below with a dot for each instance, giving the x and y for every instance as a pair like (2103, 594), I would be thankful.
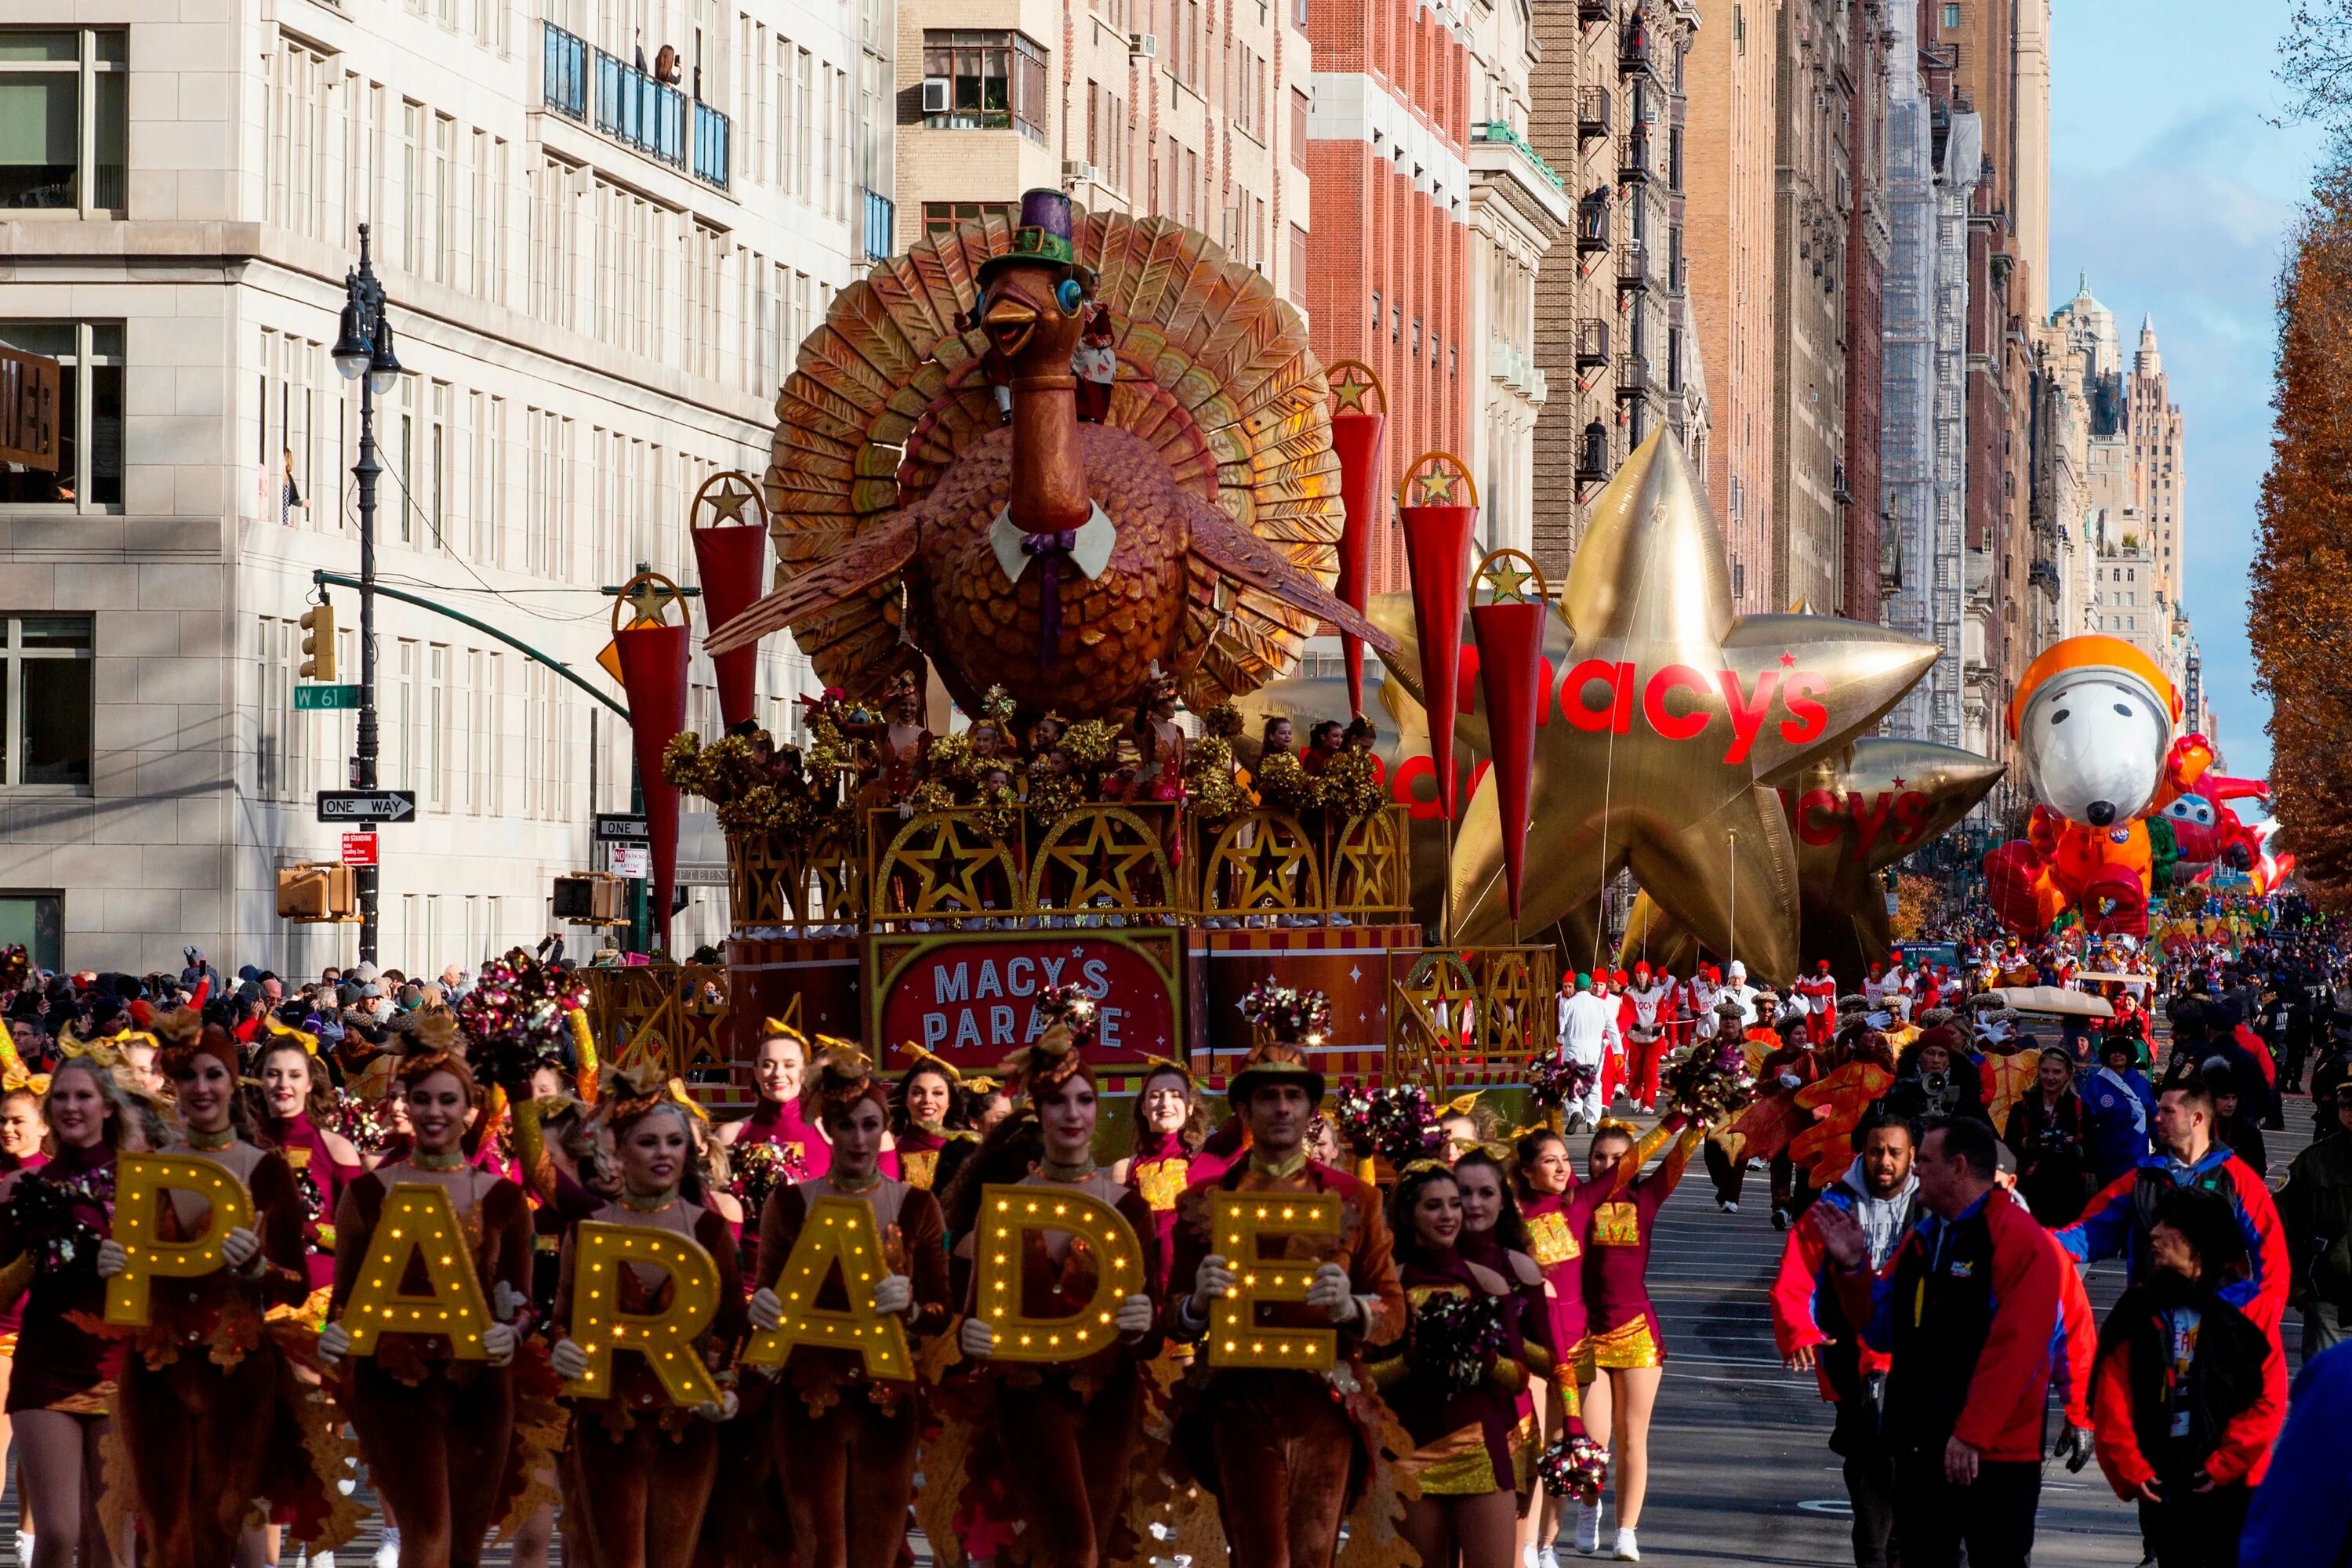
(1221, 546)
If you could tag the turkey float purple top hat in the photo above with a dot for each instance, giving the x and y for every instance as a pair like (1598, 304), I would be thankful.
(1042, 235)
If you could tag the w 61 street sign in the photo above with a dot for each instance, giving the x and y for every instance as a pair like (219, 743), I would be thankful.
(367, 805)
(326, 699)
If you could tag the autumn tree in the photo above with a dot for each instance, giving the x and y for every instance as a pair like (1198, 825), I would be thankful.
(2300, 616)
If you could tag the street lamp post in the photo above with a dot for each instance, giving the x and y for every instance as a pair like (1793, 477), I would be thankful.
(364, 353)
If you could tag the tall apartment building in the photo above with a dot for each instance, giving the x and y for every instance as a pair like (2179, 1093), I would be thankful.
(1616, 334)
(1812, 216)
(601, 236)
(1191, 108)
(1520, 216)
(1869, 238)
(1730, 81)
(2159, 454)
(1389, 251)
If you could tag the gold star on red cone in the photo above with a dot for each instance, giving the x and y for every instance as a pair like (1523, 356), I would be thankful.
(1668, 711)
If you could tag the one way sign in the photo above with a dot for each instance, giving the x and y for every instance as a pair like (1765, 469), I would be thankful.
(371, 805)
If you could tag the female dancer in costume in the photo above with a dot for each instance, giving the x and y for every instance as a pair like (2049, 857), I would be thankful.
(639, 1468)
(294, 1096)
(22, 1136)
(845, 1443)
(208, 1404)
(440, 1434)
(1166, 1151)
(927, 1120)
(1463, 1412)
(777, 1065)
(1495, 1236)
(64, 1382)
(1626, 1342)
(1075, 1424)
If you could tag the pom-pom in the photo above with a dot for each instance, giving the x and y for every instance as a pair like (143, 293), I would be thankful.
(1457, 1338)
(1209, 781)
(1574, 1467)
(1286, 1013)
(1091, 745)
(1222, 722)
(1708, 1079)
(518, 1018)
(1398, 1124)
(1284, 784)
(1351, 786)
(759, 1168)
(45, 1215)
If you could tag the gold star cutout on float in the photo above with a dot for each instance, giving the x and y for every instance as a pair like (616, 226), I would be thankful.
(1349, 390)
(1112, 856)
(650, 602)
(1509, 580)
(1436, 489)
(727, 501)
(1668, 712)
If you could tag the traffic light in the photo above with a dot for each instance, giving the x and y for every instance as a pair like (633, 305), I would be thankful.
(319, 643)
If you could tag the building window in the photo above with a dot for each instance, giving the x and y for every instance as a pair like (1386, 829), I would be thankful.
(1952, 13)
(45, 701)
(89, 432)
(36, 922)
(63, 120)
(995, 80)
(941, 217)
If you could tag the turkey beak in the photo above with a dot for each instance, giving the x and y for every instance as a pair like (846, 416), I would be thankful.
(1009, 324)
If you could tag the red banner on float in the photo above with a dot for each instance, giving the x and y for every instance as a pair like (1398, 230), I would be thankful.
(653, 672)
(1437, 554)
(731, 562)
(1356, 441)
(1511, 678)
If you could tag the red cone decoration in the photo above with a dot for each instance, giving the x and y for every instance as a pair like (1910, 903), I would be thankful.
(1356, 432)
(652, 673)
(1437, 555)
(731, 563)
(1509, 629)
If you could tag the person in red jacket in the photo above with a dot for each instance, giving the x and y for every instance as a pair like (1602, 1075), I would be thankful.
(1970, 1312)
(1814, 1334)
(2189, 1393)
(2118, 1219)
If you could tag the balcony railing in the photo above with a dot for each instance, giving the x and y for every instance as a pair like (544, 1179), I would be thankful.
(632, 106)
(1633, 49)
(1591, 343)
(881, 217)
(1634, 267)
(1591, 115)
(1500, 134)
(628, 105)
(564, 74)
(1632, 376)
(1592, 224)
(711, 132)
(1634, 168)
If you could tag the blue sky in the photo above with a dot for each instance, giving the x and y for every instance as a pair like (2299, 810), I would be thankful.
(2172, 190)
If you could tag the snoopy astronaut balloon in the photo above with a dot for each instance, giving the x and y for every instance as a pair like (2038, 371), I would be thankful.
(2093, 722)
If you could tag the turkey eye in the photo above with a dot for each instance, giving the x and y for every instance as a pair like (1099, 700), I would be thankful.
(1070, 294)
(2123, 710)
(2058, 718)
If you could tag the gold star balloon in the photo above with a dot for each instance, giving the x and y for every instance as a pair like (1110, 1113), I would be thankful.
(1851, 816)
(1667, 709)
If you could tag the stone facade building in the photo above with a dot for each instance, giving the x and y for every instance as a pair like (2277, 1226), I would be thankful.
(601, 233)
(1812, 218)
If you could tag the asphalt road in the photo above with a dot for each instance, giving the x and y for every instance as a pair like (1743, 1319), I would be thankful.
(1740, 1469)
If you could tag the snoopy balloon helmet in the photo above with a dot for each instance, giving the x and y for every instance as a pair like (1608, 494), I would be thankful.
(2094, 718)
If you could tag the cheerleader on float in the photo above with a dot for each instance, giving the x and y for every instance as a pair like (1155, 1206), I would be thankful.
(638, 1470)
(63, 1385)
(845, 1443)
(212, 1418)
(441, 1436)
(1454, 1383)
(1074, 1426)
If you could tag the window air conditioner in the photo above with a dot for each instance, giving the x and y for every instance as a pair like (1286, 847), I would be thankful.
(936, 95)
(1078, 171)
(1144, 43)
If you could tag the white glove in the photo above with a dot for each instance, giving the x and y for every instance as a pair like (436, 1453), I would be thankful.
(113, 1258)
(977, 1338)
(722, 1411)
(1215, 1280)
(895, 1293)
(334, 1344)
(507, 1302)
(767, 1310)
(1134, 1315)
(498, 1340)
(1328, 1292)
(1790, 1080)
(239, 1247)
(570, 1362)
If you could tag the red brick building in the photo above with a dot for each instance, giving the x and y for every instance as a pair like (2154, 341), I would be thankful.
(1389, 239)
